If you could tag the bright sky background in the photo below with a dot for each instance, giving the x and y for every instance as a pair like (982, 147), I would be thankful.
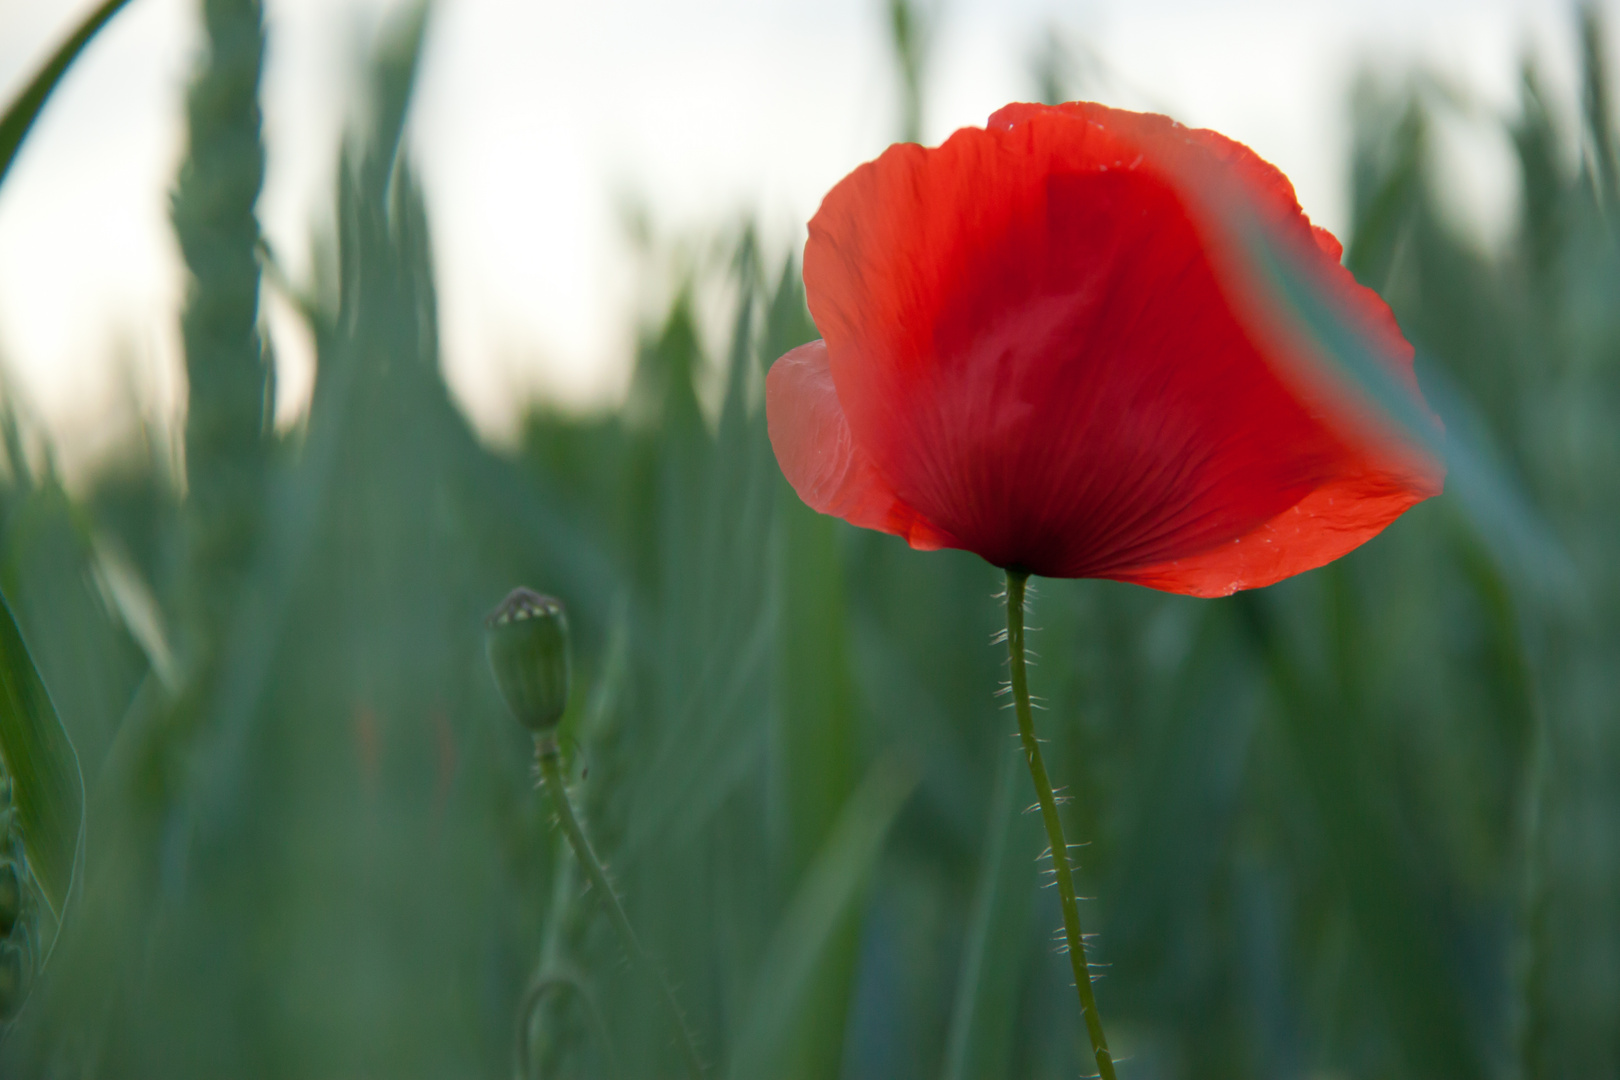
(537, 119)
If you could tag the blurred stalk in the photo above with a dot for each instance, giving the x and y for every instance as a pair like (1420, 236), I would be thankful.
(1055, 68)
(230, 375)
(1016, 583)
(1600, 124)
(908, 30)
(550, 761)
(1531, 1022)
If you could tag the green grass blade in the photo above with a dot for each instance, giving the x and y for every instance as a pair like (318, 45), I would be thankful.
(1419, 982)
(47, 789)
(909, 32)
(20, 117)
(393, 85)
(811, 923)
(1498, 509)
(983, 1015)
(815, 749)
(1595, 97)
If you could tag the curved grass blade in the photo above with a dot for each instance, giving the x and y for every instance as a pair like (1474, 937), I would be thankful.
(47, 789)
(22, 113)
(550, 983)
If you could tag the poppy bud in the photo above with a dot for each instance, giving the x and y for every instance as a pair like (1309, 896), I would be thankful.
(527, 641)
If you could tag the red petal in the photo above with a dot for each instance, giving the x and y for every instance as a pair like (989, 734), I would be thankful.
(1329, 522)
(1035, 351)
(820, 459)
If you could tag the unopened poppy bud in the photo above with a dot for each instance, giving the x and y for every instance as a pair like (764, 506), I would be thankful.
(527, 641)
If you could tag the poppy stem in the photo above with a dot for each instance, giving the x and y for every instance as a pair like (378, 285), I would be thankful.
(1016, 583)
(550, 761)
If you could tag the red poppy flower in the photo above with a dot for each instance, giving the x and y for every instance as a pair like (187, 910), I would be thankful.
(1040, 346)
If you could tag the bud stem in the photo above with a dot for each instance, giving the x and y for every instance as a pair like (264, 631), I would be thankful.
(1054, 825)
(550, 762)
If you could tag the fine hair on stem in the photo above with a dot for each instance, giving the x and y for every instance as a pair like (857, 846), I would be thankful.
(550, 762)
(1059, 850)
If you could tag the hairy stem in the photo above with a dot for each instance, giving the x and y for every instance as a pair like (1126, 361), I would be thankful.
(1054, 825)
(551, 772)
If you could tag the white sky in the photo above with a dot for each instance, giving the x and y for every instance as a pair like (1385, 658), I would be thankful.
(536, 119)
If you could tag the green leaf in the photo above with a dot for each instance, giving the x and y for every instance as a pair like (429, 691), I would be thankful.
(31, 102)
(46, 786)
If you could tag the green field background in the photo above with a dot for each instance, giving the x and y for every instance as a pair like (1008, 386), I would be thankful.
(1364, 823)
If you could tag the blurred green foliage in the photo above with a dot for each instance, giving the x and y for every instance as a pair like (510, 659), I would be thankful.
(41, 787)
(1364, 823)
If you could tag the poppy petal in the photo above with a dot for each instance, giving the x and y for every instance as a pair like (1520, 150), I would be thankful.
(811, 438)
(1331, 521)
(1031, 343)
